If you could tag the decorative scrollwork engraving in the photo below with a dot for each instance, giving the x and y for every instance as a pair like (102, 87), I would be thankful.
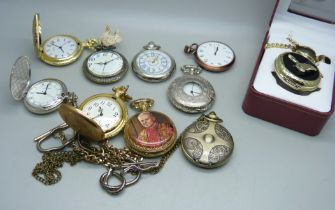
(217, 154)
(194, 148)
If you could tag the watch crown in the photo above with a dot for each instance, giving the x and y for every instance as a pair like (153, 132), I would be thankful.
(191, 69)
(152, 46)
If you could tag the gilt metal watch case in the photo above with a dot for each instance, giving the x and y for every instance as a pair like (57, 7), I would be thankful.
(99, 117)
(191, 93)
(149, 133)
(153, 64)
(206, 143)
(297, 71)
(58, 50)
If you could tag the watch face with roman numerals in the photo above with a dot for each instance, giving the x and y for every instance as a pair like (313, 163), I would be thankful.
(214, 56)
(105, 111)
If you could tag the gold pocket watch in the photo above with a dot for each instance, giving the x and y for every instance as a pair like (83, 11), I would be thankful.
(58, 50)
(298, 71)
(104, 66)
(206, 143)
(149, 133)
(100, 116)
(42, 97)
(212, 55)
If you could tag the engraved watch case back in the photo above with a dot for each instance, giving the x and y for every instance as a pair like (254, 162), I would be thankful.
(149, 133)
(206, 143)
(20, 78)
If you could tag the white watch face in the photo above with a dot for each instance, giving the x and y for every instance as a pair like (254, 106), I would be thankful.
(192, 89)
(105, 111)
(45, 94)
(60, 47)
(105, 63)
(215, 54)
(154, 62)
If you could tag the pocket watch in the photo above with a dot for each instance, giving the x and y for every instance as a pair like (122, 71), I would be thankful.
(297, 71)
(212, 55)
(191, 93)
(206, 143)
(42, 97)
(153, 64)
(149, 133)
(100, 116)
(58, 50)
(105, 66)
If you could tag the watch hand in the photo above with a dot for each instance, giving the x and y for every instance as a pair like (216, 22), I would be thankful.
(55, 45)
(192, 92)
(110, 61)
(196, 92)
(216, 51)
(45, 91)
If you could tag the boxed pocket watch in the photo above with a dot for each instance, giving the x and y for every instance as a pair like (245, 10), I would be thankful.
(293, 80)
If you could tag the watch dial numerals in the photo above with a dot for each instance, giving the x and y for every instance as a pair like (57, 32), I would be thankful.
(105, 111)
(215, 54)
(45, 94)
(154, 62)
(60, 47)
(193, 89)
(105, 63)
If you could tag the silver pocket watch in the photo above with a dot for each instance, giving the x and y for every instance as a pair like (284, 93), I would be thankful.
(105, 66)
(42, 97)
(153, 64)
(191, 93)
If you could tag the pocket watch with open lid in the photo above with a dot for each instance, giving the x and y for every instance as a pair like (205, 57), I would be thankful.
(100, 116)
(104, 66)
(191, 93)
(57, 50)
(206, 143)
(298, 71)
(42, 97)
(149, 133)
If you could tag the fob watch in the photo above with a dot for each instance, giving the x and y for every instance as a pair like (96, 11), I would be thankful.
(212, 55)
(298, 71)
(100, 116)
(105, 66)
(206, 143)
(149, 133)
(153, 64)
(42, 97)
(191, 93)
(57, 50)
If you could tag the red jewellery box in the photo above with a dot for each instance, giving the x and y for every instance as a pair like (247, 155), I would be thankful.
(308, 23)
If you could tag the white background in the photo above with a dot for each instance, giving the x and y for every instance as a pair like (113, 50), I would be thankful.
(271, 168)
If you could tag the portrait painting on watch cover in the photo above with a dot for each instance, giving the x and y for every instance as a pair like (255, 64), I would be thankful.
(151, 129)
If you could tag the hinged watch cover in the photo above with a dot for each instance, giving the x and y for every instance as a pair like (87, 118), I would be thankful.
(20, 78)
